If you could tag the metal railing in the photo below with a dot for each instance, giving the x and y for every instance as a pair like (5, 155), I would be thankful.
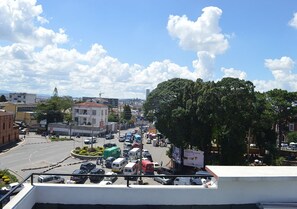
(4, 199)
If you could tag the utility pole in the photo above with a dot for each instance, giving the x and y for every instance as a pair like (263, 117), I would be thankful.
(140, 178)
(119, 118)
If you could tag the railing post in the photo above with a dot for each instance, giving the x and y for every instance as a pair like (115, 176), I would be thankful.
(31, 177)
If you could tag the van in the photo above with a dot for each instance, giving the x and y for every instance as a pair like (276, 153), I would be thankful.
(182, 181)
(118, 165)
(50, 179)
(131, 169)
(147, 167)
(134, 154)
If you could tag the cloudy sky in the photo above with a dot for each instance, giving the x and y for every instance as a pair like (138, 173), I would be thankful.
(121, 48)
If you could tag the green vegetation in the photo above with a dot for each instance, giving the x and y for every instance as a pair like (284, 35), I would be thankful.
(6, 178)
(228, 114)
(54, 138)
(87, 151)
(56, 109)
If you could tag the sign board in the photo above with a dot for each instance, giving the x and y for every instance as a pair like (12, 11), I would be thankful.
(194, 158)
(176, 154)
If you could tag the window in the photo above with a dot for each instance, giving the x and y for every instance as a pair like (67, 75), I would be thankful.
(291, 127)
(93, 112)
(3, 126)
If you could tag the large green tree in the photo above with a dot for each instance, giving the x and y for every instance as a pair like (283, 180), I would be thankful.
(283, 109)
(56, 109)
(168, 102)
(3, 98)
(234, 118)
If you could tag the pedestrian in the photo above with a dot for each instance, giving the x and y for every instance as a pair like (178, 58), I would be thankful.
(161, 163)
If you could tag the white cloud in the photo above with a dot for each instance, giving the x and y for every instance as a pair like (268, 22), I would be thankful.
(293, 21)
(233, 73)
(280, 68)
(202, 35)
(204, 66)
(18, 19)
(284, 77)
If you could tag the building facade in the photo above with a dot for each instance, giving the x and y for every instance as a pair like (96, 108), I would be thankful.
(22, 112)
(23, 98)
(8, 131)
(90, 114)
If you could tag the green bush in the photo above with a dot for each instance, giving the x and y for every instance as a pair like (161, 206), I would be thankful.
(77, 148)
(82, 152)
(6, 177)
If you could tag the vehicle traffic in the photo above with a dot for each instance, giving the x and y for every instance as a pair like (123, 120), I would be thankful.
(163, 180)
(51, 179)
(98, 172)
(119, 164)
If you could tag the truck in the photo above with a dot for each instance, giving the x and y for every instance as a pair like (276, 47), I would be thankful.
(112, 152)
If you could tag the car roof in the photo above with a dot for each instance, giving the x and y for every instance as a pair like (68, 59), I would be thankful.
(95, 170)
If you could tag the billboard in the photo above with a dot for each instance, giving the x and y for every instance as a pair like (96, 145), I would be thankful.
(176, 154)
(194, 158)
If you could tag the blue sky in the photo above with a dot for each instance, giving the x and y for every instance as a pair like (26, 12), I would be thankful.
(121, 48)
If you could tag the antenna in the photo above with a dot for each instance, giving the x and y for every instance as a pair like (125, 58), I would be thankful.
(100, 93)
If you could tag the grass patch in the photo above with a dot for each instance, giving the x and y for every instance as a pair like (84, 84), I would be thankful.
(6, 178)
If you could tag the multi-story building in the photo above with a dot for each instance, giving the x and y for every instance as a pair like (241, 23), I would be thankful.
(90, 114)
(22, 112)
(22, 98)
(8, 131)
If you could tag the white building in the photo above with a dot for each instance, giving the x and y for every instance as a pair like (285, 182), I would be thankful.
(90, 114)
(22, 98)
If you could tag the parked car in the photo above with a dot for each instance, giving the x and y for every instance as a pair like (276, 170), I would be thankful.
(88, 166)
(90, 140)
(51, 179)
(96, 178)
(163, 180)
(122, 139)
(108, 162)
(79, 179)
(166, 171)
(108, 145)
(112, 177)
(11, 186)
(109, 136)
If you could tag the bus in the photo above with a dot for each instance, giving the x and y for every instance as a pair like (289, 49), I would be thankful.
(147, 167)
(112, 152)
(118, 165)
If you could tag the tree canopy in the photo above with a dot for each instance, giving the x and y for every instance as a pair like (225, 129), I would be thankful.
(228, 113)
(56, 109)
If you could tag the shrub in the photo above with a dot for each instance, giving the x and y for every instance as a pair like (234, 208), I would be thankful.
(7, 180)
(77, 148)
(83, 152)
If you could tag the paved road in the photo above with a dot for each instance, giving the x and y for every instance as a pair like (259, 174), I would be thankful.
(38, 154)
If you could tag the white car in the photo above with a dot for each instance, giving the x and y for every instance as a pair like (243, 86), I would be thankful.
(156, 166)
(105, 182)
(90, 140)
(12, 186)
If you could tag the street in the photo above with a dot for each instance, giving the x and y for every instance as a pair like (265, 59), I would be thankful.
(38, 154)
